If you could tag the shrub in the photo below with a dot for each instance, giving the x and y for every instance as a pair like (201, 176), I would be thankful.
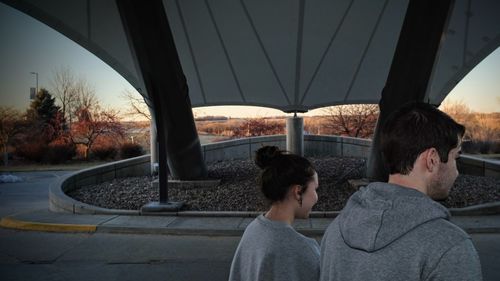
(484, 147)
(481, 147)
(259, 127)
(104, 152)
(80, 151)
(469, 147)
(60, 151)
(34, 151)
(495, 147)
(129, 150)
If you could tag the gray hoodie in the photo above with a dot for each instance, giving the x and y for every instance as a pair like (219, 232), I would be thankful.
(389, 232)
(274, 251)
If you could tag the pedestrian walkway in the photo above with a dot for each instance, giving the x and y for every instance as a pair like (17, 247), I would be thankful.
(227, 225)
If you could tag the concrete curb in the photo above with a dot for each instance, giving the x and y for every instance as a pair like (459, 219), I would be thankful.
(12, 223)
(170, 231)
(191, 231)
(481, 230)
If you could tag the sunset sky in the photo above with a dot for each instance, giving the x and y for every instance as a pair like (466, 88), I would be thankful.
(30, 46)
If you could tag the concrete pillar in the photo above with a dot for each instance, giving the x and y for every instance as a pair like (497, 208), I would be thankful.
(295, 135)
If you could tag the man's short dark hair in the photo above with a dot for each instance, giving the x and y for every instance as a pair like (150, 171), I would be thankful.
(414, 128)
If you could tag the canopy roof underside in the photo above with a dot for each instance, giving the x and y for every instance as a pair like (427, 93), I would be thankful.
(293, 55)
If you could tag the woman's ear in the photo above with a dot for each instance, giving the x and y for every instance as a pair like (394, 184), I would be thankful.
(297, 192)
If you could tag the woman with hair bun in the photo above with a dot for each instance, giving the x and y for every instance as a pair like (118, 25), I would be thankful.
(270, 249)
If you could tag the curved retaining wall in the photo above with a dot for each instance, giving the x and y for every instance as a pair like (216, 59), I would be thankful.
(59, 201)
(471, 165)
(329, 146)
(313, 146)
(228, 150)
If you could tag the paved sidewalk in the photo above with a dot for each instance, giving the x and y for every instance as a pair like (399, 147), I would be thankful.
(24, 205)
(228, 225)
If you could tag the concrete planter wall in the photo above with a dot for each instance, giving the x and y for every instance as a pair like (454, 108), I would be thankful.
(229, 150)
(471, 165)
(313, 146)
(328, 146)
(59, 201)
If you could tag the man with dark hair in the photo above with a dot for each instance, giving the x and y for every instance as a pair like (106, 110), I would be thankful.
(394, 230)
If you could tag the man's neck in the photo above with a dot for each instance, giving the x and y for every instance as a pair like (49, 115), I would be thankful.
(408, 181)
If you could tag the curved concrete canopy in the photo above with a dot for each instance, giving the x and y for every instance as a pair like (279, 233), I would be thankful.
(293, 55)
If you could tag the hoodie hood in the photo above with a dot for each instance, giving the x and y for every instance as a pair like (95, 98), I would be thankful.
(380, 213)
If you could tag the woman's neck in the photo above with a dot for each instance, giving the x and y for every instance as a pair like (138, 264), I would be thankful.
(281, 212)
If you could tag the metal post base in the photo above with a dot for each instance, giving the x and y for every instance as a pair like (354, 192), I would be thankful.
(157, 207)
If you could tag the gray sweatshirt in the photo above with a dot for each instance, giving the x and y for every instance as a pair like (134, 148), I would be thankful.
(271, 250)
(389, 232)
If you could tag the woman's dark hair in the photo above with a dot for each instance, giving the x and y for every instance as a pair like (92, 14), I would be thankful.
(414, 128)
(280, 171)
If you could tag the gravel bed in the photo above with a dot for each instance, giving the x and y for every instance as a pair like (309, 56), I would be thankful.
(238, 190)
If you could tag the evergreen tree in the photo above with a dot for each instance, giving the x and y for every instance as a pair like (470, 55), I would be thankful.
(43, 108)
(44, 118)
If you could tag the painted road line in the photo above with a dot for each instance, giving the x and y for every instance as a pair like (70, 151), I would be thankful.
(9, 222)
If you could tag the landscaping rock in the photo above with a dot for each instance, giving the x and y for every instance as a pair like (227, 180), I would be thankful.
(238, 189)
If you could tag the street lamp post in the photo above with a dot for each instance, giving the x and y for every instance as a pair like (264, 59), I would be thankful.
(36, 74)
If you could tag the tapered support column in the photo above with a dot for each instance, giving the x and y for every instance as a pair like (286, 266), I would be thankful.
(295, 135)
(423, 28)
(150, 38)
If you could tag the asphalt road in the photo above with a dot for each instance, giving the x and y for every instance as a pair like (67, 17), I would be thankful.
(26, 255)
(31, 193)
(55, 256)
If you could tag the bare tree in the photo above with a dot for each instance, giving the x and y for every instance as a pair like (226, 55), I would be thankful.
(355, 120)
(74, 94)
(85, 98)
(137, 105)
(64, 89)
(462, 113)
(457, 109)
(10, 120)
(88, 121)
(93, 123)
(486, 127)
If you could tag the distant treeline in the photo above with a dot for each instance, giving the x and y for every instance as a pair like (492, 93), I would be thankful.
(212, 118)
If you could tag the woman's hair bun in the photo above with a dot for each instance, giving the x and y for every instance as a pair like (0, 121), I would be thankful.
(266, 155)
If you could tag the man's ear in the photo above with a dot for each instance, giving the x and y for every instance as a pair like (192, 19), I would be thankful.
(432, 159)
(297, 191)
